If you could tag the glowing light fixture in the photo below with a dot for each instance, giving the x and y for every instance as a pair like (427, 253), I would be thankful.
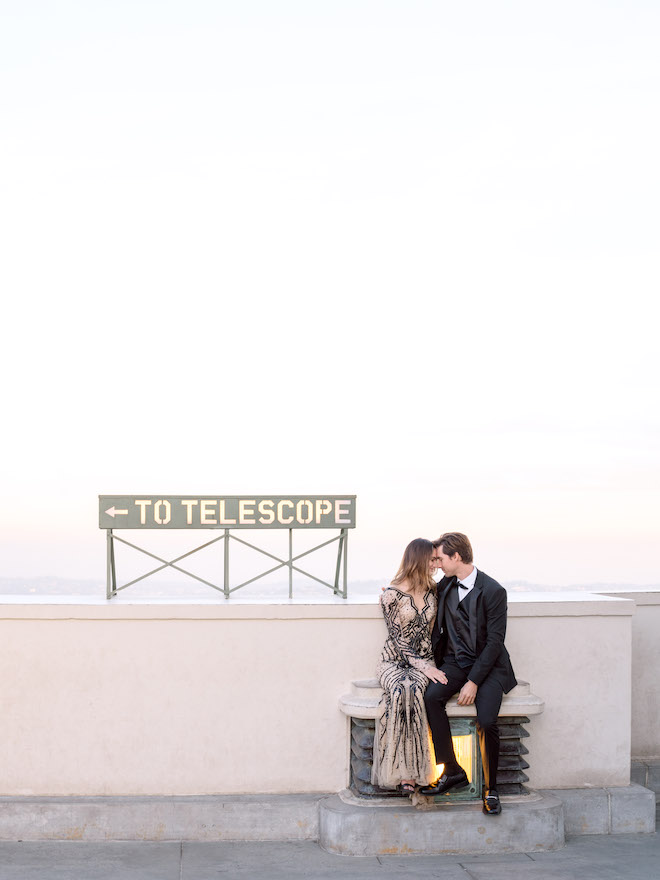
(466, 749)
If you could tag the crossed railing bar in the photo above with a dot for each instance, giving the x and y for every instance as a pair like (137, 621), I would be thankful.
(165, 564)
(342, 553)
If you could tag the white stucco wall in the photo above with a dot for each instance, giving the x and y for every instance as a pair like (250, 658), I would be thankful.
(575, 652)
(645, 674)
(129, 697)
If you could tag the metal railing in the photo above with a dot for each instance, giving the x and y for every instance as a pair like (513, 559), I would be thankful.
(226, 588)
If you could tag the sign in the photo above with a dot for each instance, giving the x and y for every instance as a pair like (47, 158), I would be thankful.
(226, 511)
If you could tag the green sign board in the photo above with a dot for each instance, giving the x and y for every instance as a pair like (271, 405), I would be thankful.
(227, 511)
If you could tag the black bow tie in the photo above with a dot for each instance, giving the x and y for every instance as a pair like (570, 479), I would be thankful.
(461, 586)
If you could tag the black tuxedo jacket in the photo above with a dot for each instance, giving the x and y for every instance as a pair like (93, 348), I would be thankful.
(487, 631)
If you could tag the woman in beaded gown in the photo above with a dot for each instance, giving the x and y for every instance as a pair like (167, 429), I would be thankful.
(403, 751)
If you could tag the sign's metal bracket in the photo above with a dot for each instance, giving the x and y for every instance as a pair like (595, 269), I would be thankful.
(340, 569)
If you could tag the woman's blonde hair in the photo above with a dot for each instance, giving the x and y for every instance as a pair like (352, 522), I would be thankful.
(414, 566)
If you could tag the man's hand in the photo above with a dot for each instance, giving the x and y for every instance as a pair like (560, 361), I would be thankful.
(467, 694)
(436, 675)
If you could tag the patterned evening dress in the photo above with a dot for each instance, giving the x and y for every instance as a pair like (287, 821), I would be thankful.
(403, 747)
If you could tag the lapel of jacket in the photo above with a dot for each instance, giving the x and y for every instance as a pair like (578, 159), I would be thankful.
(443, 588)
(475, 605)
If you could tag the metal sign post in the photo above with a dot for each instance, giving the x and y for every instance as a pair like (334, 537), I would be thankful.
(229, 513)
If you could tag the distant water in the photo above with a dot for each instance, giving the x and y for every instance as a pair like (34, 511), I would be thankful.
(55, 586)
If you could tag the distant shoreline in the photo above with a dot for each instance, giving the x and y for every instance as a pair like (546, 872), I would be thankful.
(56, 586)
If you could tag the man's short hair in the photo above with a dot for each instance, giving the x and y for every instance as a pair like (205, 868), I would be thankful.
(455, 542)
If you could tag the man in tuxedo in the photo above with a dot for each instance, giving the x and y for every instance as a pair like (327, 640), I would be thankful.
(468, 643)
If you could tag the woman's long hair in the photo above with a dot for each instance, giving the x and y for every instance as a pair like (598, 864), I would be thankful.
(414, 566)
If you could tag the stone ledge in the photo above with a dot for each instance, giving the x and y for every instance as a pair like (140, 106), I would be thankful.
(528, 824)
(364, 702)
(341, 824)
(646, 772)
(214, 817)
(622, 810)
(565, 603)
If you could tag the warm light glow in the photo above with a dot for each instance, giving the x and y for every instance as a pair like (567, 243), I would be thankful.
(463, 750)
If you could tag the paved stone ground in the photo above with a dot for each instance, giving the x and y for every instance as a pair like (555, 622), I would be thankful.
(597, 857)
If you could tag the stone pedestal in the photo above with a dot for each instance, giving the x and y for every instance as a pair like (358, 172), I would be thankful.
(357, 827)
(363, 707)
(368, 821)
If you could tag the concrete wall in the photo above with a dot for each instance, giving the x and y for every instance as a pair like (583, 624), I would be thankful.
(645, 674)
(576, 653)
(122, 697)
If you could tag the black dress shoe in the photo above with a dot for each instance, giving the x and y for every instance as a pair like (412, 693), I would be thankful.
(446, 781)
(492, 805)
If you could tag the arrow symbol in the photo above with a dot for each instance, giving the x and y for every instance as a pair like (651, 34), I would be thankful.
(112, 511)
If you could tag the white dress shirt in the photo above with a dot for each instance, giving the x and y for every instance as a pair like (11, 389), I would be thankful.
(468, 582)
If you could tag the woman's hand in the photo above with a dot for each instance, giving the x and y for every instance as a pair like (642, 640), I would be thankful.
(436, 675)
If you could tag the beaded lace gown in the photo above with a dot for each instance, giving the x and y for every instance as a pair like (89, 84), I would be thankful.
(403, 747)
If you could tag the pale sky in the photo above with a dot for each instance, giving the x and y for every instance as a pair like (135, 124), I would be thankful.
(403, 250)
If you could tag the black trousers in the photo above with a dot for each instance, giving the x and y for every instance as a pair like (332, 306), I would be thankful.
(488, 702)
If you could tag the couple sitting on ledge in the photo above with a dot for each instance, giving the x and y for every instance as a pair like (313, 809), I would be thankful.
(443, 639)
